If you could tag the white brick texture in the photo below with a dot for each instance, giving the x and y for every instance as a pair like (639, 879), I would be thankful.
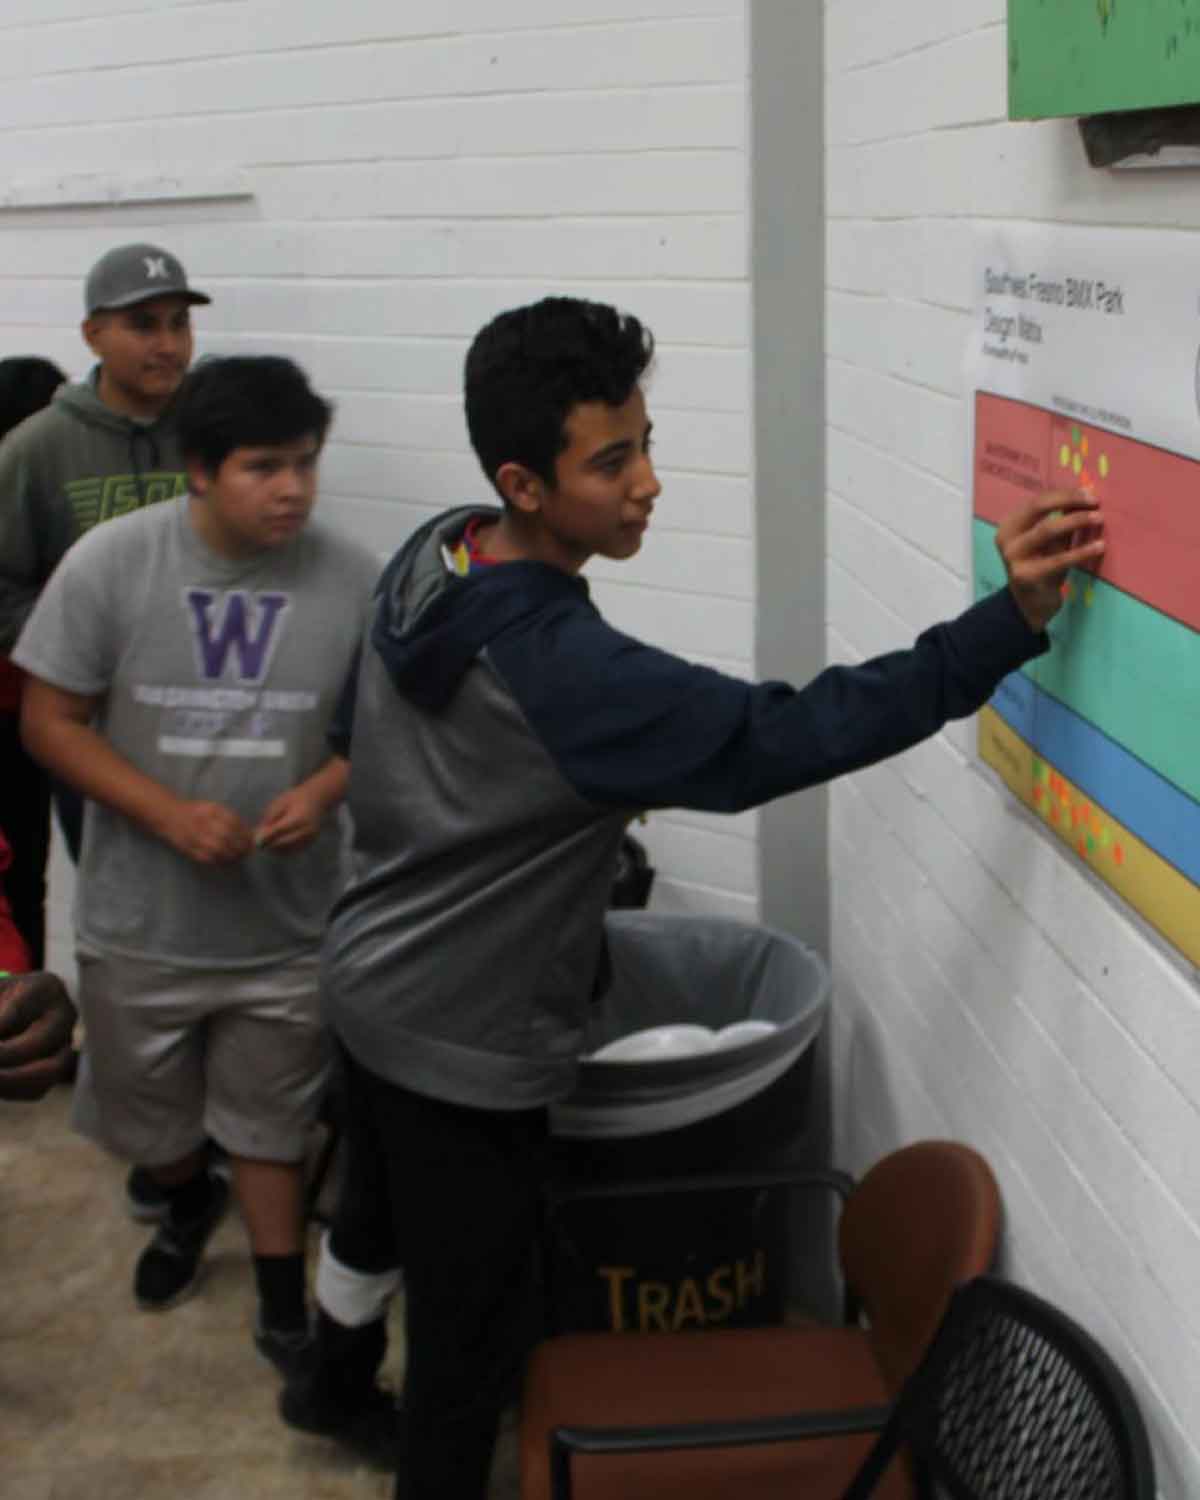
(415, 169)
(986, 987)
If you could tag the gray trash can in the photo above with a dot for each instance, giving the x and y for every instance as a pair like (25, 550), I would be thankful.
(645, 1263)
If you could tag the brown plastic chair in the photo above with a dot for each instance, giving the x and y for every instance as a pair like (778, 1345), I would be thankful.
(921, 1221)
(1013, 1400)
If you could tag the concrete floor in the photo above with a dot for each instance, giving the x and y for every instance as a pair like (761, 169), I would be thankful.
(99, 1401)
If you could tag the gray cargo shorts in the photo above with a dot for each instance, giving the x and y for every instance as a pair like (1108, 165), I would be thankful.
(173, 1055)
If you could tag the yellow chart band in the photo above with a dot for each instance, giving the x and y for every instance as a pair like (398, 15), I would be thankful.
(1167, 899)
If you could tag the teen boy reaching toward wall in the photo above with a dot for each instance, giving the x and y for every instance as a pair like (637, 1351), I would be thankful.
(503, 735)
(184, 662)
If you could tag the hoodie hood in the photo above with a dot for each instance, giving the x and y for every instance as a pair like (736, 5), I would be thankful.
(82, 400)
(430, 624)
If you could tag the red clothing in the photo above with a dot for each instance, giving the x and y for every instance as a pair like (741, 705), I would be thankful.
(14, 955)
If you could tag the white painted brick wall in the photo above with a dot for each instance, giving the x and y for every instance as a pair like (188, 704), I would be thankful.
(986, 987)
(415, 169)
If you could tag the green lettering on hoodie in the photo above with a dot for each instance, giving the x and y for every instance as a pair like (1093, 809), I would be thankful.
(62, 471)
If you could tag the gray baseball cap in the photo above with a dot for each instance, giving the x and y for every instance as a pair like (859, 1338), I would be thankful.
(135, 273)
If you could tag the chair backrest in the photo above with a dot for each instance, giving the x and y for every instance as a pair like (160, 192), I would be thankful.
(1016, 1402)
(921, 1221)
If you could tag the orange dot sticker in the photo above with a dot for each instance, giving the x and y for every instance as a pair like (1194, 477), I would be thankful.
(1119, 854)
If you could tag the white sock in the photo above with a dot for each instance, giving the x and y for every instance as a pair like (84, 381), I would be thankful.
(353, 1298)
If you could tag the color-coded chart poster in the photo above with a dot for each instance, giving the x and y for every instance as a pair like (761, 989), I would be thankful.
(1086, 373)
(1086, 57)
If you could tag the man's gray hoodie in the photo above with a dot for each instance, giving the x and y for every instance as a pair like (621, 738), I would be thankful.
(72, 464)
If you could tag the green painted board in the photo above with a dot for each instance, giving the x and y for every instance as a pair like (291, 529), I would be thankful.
(1089, 57)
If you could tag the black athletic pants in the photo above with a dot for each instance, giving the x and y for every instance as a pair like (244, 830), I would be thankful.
(451, 1194)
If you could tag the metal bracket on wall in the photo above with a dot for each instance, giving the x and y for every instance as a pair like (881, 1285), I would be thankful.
(1140, 138)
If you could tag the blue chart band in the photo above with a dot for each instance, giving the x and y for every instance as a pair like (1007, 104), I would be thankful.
(1159, 814)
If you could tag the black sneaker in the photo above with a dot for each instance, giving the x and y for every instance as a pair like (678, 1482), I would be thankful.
(169, 1266)
(370, 1428)
(290, 1350)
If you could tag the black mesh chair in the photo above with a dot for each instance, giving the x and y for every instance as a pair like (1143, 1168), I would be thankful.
(1014, 1401)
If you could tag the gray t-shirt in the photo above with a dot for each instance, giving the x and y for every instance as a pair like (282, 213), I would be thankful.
(218, 678)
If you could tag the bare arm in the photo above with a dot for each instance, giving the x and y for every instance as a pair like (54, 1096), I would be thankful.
(36, 1021)
(293, 819)
(57, 731)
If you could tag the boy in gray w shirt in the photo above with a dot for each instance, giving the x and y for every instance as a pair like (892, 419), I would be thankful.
(184, 661)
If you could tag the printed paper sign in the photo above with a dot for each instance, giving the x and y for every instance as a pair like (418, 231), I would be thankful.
(1085, 368)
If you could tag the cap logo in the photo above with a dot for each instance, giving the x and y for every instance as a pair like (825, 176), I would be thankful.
(156, 265)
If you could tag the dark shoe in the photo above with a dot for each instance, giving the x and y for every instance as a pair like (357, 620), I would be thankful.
(370, 1427)
(291, 1350)
(169, 1267)
(145, 1201)
(337, 1396)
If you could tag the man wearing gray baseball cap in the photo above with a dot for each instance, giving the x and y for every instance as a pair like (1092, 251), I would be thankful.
(106, 445)
(103, 447)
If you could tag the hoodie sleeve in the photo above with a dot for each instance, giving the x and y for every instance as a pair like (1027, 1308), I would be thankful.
(635, 727)
(19, 581)
(32, 535)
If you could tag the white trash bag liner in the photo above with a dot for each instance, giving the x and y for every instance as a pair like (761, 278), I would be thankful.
(685, 1018)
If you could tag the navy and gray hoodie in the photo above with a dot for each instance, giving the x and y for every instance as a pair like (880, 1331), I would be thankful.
(502, 736)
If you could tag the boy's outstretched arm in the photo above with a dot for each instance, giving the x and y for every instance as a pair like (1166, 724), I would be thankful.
(636, 727)
(1040, 542)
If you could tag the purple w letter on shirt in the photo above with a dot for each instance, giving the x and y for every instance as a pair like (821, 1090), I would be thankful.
(244, 625)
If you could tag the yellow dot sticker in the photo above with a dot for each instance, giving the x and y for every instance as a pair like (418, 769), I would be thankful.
(1064, 457)
(1104, 466)
(1077, 464)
